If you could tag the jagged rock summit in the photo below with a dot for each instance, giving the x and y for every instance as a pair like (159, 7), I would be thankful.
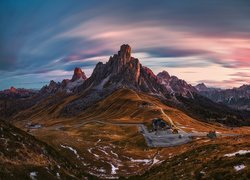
(78, 73)
(13, 89)
(123, 71)
(175, 85)
(125, 53)
(67, 85)
(201, 87)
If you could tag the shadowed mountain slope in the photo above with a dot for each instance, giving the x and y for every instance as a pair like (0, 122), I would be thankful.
(24, 157)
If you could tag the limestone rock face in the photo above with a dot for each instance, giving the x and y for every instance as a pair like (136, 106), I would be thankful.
(201, 87)
(123, 71)
(51, 88)
(78, 73)
(125, 53)
(236, 98)
(163, 75)
(175, 85)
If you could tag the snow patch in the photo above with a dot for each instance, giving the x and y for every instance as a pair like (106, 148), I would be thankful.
(33, 175)
(156, 161)
(35, 126)
(90, 151)
(99, 140)
(202, 172)
(239, 167)
(113, 169)
(72, 149)
(104, 152)
(241, 152)
(104, 81)
(71, 85)
(114, 153)
(57, 175)
(146, 161)
(206, 140)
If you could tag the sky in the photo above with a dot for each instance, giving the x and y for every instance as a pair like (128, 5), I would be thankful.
(195, 40)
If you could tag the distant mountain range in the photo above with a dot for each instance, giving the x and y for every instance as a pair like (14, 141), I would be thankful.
(17, 93)
(236, 98)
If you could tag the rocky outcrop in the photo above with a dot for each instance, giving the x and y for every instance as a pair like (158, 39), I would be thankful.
(164, 75)
(51, 88)
(78, 74)
(66, 85)
(123, 71)
(201, 87)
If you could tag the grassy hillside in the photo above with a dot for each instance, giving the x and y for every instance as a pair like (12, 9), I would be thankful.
(206, 162)
(104, 139)
(23, 156)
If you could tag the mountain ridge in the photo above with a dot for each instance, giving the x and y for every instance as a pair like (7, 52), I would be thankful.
(236, 98)
(123, 71)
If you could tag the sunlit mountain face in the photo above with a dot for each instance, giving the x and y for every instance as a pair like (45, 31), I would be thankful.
(124, 90)
(197, 41)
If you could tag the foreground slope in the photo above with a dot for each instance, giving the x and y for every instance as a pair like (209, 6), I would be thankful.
(23, 156)
(226, 158)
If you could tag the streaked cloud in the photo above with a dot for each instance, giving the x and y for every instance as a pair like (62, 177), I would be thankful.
(47, 39)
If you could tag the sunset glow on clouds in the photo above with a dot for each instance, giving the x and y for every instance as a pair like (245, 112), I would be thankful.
(196, 40)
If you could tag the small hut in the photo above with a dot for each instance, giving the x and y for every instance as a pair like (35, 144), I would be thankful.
(212, 134)
(175, 131)
(159, 124)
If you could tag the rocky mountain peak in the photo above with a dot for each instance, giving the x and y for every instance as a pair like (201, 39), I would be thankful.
(13, 89)
(125, 53)
(122, 70)
(163, 75)
(201, 87)
(175, 85)
(78, 73)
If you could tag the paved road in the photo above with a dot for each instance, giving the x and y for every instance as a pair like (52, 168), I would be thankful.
(163, 138)
(171, 122)
(153, 139)
(159, 138)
